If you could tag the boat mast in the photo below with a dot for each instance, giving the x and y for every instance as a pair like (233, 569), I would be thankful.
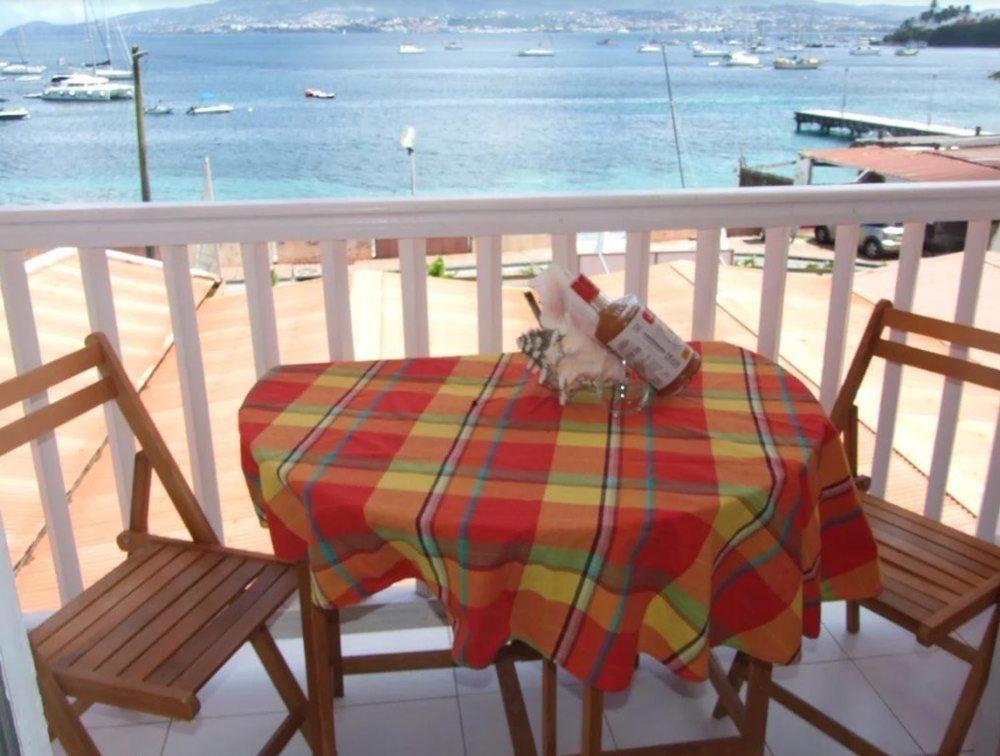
(673, 115)
(90, 36)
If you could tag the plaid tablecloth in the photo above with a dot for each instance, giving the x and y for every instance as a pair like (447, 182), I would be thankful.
(723, 515)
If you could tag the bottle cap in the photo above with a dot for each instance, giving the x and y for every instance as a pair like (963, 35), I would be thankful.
(585, 288)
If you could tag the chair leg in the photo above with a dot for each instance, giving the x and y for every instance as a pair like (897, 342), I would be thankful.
(758, 675)
(62, 717)
(593, 720)
(853, 616)
(972, 691)
(283, 679)
(336, 655)
(316, 641)
(736, 676)
(549, 720)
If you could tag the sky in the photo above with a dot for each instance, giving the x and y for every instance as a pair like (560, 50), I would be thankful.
(15, 12)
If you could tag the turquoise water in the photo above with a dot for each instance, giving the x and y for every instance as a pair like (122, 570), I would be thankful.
(592, 118)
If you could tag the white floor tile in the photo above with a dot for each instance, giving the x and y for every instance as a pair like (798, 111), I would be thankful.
(822, 649)
(418, 639)
(876, 637)
(484, 723)
(972, 631)
(661, 709)
(840, 690)
(529, 675)
(242, 687)
(414, 728)
(228, 736)
(133, 740)
(921, 689)
(397, 686)
(100, 715)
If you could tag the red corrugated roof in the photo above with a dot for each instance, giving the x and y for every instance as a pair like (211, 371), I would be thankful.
(909, 165)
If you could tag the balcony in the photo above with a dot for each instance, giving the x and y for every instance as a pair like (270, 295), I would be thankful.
(197, 346)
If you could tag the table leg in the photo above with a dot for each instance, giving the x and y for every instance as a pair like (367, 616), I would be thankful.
(336, 656)
(316, 640)
(758, 677)
(549, 720)
(593, 719)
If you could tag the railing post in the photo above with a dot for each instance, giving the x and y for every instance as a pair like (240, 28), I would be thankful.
(413, 279)
(841, 286)
(564, 252)
(977, 238)
(906, 285)
(706, 283)
(23, 331)
(260, 303)
(191, 372)
(489, 292)
(637, 263)
(101, 310)
(772, 296)
(988, 527)
(337, 299)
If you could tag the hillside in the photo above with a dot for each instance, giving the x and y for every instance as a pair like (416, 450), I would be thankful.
(951, 26)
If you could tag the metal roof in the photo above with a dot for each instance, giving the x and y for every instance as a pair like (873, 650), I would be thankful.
(913, 165)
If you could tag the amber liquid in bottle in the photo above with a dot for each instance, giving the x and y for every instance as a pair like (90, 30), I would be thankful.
(642, 340)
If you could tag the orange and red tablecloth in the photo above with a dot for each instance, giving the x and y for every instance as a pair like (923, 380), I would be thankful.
(723, 515)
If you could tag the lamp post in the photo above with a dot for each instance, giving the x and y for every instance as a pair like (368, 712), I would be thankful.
(408, 141)
(140, 130)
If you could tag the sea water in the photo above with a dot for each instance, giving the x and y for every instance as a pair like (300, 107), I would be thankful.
(592, 118)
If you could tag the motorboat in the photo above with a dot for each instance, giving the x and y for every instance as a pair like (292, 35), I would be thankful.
(906, 52)
(210, 109)
(85, 88)
(606, 42)
(319, 94)
(865, 49)
(536, 52)
(739, 59)
(453, 47)
(21, 69)
(159, 109)
(29, 77)
(13, 114)
(408, 49)
(793, 47)
(700, 51)
(797, 63)
(651, 47)
(761, 47)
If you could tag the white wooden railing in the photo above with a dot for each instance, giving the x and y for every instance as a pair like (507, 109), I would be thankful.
(171, 227)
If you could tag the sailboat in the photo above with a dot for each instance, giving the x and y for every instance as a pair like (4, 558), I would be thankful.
(410, 49)
(541, 50)
(105, 68)
(23, 68)
(650, 47)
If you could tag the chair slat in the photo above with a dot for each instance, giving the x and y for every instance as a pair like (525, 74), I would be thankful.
(168, 618)
(123, 608)
(191, 623)
(917, 543)
(51, 416)
(908, 584)
(145, 613)
(932, 560)
(950, 367)
(917, 566)
(954, 333)
(48, 375)
(903, 604)
(106, 583)
(252, 608)
(980, 551)
(180, 663)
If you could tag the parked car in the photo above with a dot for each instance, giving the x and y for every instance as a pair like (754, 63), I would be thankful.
(876, 239)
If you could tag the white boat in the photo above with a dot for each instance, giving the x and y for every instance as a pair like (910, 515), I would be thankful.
(452, 46)
(700, 51)
(865, 49)
(85, 88)
(761, 47)
(13, 114)
(210, 109)
(739, 59)
(797, 63)
(20, 69)
(29, 77)
(408, 49)
(159, 109)
(793, 47)
(319, 94)
(114, 74)
(906, 52)
(651, 47)
(536, 52)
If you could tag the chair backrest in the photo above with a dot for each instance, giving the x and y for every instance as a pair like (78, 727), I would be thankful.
(113, 385)
(873, 344)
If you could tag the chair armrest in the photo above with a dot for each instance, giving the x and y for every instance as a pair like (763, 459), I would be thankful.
(949, 618)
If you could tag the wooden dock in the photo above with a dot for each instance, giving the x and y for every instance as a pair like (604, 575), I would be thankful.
(859, 124)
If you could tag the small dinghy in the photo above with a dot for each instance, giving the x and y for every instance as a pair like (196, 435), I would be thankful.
(209, 109)
(319, 94)
(159, 109)
(13, 114)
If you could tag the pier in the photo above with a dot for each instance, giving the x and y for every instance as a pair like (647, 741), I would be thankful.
(859, 124)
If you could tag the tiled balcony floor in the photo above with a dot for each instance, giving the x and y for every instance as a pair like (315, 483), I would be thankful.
(880, 683)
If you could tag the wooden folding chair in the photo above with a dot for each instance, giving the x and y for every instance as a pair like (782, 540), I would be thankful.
(935, 578)
(149, 634)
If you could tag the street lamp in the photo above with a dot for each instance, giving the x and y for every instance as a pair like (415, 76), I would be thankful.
(408, 141)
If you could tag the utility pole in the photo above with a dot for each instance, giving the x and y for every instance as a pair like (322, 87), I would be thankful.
(140, 129)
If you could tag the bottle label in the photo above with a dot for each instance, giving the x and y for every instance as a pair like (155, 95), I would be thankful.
(652, 349)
